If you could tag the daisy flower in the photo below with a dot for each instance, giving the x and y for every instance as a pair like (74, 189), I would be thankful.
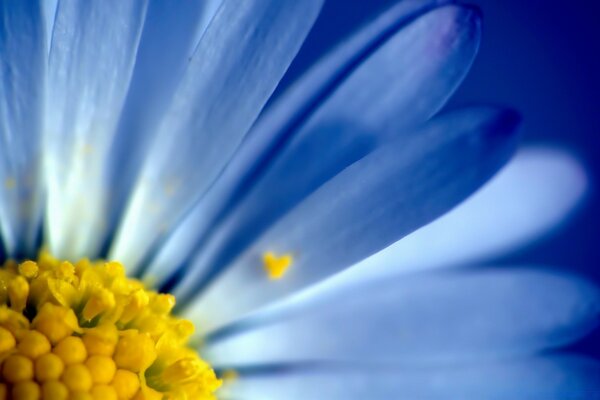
(172, 232)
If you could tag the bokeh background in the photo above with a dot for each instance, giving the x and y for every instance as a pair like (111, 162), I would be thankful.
(542, 58)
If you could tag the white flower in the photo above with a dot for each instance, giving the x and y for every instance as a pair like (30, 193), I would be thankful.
(140, 131)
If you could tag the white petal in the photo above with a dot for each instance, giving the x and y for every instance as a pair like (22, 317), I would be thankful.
(22, 77)
(363, 104)
(530, 198)
(371, 204)
(548, 378)
(92, 57)
(170, 36)
(239, 61)
(420, 319)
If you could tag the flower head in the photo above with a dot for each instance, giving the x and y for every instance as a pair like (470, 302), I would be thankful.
(145, 132)
(86, 328)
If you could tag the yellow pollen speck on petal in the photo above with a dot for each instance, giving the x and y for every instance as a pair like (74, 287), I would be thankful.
(276, 267)
(10, 183)
(85, 330)
(230, 375)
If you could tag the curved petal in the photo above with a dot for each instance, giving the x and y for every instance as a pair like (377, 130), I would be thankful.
(547, 378)
(420, 319)
(22, 72)
(368, 206)
(49, 12)
(531, 197)
(239, 61)
(171, 33)
(373, 100)
(91, 61)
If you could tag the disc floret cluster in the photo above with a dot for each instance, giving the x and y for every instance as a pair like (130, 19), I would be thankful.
(85, 331)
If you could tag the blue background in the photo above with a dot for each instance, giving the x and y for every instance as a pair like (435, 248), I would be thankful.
(542, 58)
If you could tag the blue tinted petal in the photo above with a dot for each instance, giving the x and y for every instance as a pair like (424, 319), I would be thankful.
(92, 57)
(22, 78)
(547, 378)
(170, 36)
(239, 61)
(368, 206)
(419, 319)
(375, 97)
(49, 13)
(530, 198)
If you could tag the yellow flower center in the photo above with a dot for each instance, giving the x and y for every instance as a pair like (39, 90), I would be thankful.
(85, 331)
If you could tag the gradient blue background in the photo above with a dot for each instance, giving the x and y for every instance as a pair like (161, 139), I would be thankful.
(542, 58)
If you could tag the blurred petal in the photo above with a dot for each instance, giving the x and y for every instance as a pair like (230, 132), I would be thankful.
(421, 319)
(239, 61)
(49, 13)
(425, 60)
(22, 72)
(533, 195)
(368, 206)
(547, 378)
(91, 61)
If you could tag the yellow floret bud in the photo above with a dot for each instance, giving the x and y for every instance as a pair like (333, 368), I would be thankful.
(54, 390)
(102, 300)
(27, 390)
(48, 367)
(77, 378)
(33, 344)
(71, 350)
(138, 301)
(101, 341)
(135, 351)
(104, 392)
(126, 384)
(162, 303)
(18, 291)
(183, 371)
(7, 340)
(17, 368)
(147, 393)
(80, 396)
(28, 269)
(56, 322)
(102, 369)
(65, 272)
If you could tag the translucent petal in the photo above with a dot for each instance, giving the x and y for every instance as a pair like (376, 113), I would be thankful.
(91, 61)
(530, 198)
(22, 73)
(429, 319)
(170, 36)
(378, 99)
(322, 125)
(368, 206)
(547, 378)
(239, 61)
